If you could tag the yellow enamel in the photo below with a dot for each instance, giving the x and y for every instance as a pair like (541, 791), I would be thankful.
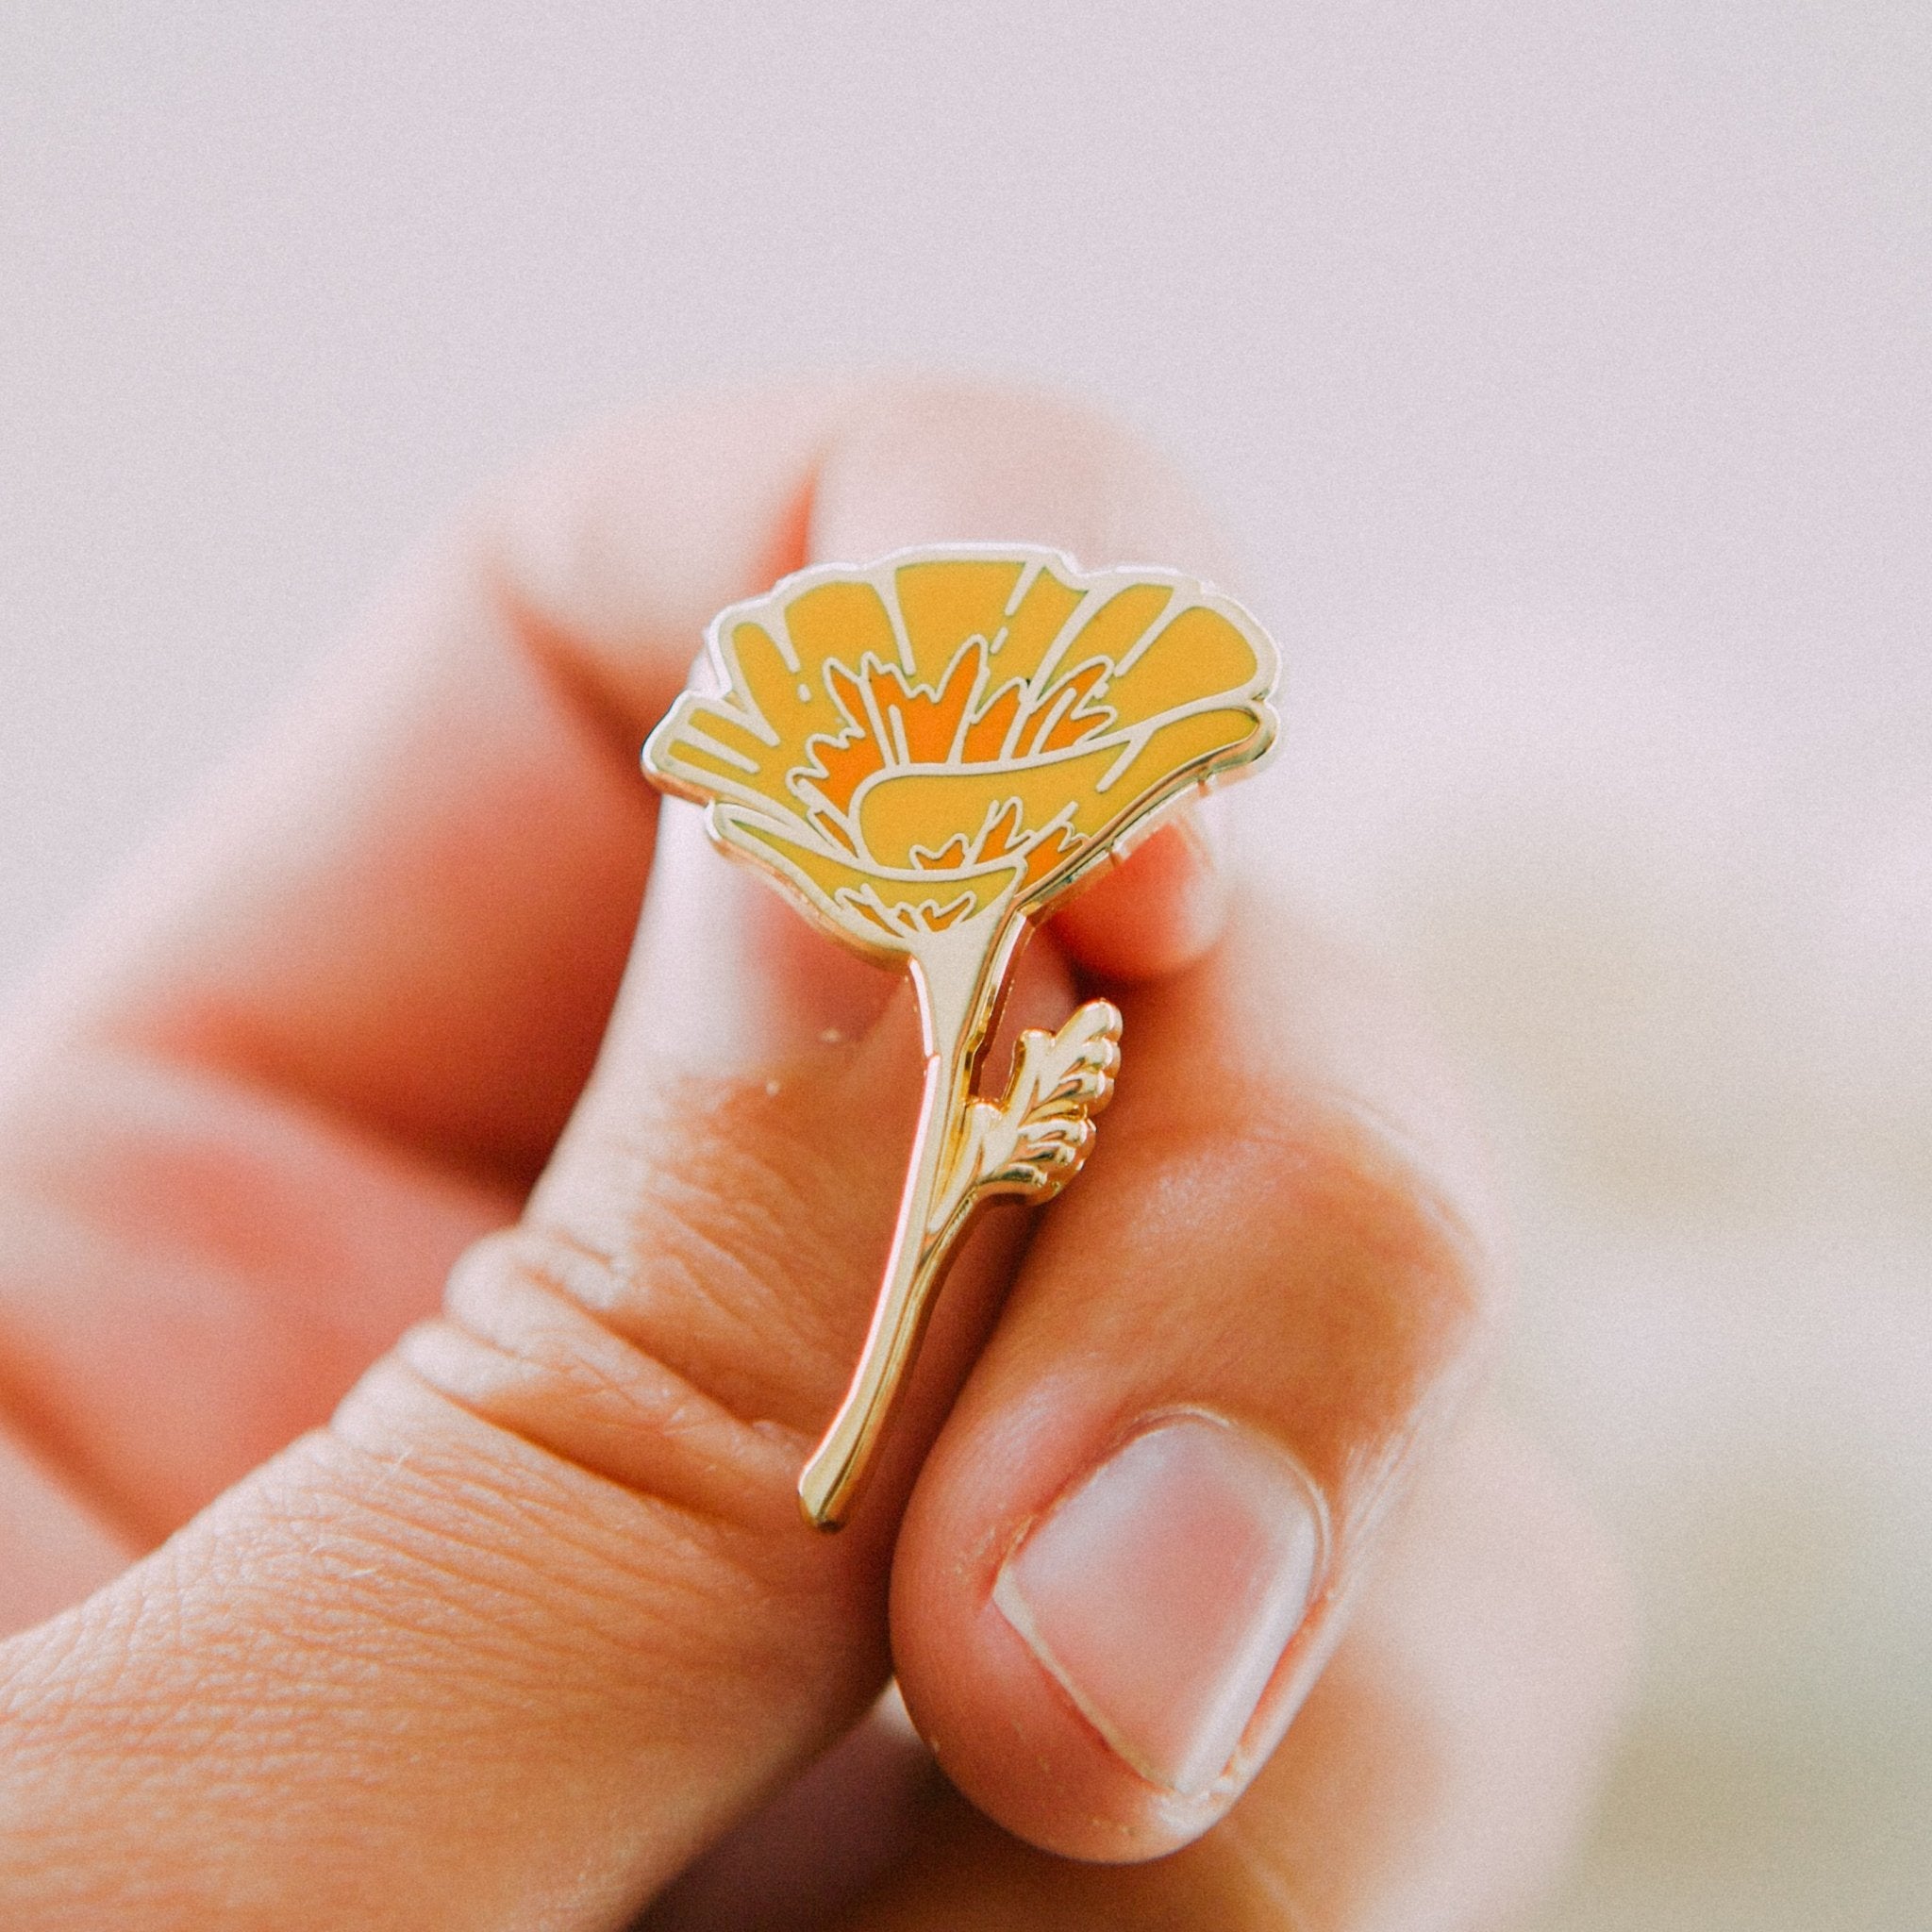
(942, 603)
(761, 671)
(844, 622)
(1198, 650)
(1066, 708)
(898, 810)
(1040, 616)
(926, 753)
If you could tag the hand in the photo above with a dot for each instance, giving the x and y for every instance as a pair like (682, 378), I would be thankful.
(506, 1622)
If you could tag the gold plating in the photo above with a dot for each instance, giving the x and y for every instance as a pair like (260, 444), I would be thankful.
(927, 754)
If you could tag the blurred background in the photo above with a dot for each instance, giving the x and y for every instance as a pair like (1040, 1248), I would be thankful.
(1563, 369)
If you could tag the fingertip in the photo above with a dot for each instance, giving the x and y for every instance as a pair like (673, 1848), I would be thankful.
(1158, 909)
(949, 459)
(986, 1673)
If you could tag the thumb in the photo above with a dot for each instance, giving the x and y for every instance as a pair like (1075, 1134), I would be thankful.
(536, 1616)
(534, 1619)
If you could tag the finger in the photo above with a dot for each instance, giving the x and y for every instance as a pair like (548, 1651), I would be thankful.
(1434, 1781)
(1134, 1544)
(535, 1618)
(52, 1549)
(1158, 909)
(195, 1269)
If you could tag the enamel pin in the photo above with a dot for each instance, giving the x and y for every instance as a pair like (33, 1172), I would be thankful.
(926, 755)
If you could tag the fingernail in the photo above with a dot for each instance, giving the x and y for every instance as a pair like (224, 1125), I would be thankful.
(1162, 1591)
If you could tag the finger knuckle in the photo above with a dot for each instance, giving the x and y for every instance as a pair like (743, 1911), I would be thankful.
(527, 1342)
(735, 1243)
(1325, 1279)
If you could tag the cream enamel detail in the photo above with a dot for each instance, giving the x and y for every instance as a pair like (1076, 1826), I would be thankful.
(927, 754)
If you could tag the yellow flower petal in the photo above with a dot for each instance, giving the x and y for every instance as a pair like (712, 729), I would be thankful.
(1089, 790)
(877, 907)
(1042, 614)
(843, 621)
(708, 748)
(1199, 651)
(947, 600)
(957, 734)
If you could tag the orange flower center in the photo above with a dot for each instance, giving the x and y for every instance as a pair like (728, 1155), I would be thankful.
(892, 721)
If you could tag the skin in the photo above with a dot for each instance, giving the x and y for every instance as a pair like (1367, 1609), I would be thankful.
(420, 1283)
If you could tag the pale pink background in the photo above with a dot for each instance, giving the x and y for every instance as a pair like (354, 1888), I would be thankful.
(1564, 370)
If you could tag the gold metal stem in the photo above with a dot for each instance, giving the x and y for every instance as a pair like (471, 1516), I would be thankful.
(959, 977)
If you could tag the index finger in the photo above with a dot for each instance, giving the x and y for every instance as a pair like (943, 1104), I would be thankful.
(415, 907)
